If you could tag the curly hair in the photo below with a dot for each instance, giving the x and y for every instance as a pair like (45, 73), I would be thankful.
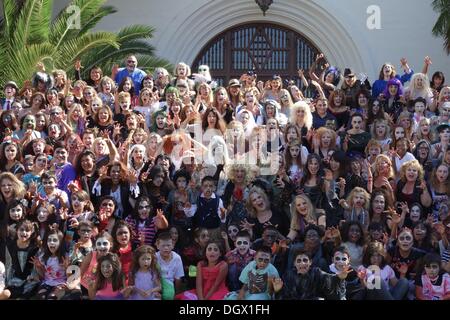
(414, 164)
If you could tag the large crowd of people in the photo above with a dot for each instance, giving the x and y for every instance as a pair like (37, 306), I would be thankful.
(170, 186)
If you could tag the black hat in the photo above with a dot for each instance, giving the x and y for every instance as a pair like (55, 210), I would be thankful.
(442, 127)
(348, 72)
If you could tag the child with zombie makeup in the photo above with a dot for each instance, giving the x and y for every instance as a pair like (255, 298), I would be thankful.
(16, 213)
(103, 245)
(81, 210)
(45, 214)
(182, 203)
(51, 265)
(256, 278)
(84, 245)
(144, 224)
(304, 282)
(238, 258)
(21, 251)
(432, 283)
(356, 207)
(403, 257)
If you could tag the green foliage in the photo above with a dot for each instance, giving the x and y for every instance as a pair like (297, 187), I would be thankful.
(29, 36)
(442, 25)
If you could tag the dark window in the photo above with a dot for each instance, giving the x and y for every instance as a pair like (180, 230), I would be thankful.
(265, 48)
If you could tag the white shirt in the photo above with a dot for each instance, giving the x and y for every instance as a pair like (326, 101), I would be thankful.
(173, 269)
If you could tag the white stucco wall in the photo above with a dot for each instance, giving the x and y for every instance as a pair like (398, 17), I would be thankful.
(338, 28)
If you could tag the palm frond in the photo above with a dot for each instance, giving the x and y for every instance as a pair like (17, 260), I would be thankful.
(94, 19)
(31, 26)
(98, 58)
(23, 64)
(71, 49)
(62, 29)
(442, 26)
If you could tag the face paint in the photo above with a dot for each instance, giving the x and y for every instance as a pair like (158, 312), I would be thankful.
(302, 263)
(243, 245)
(102, 245)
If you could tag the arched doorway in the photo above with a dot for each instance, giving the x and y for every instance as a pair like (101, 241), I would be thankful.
(267, 49)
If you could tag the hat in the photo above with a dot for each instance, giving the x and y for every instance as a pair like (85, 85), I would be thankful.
(234, 83)
(442, 127)
(348, 72)
(11, 84)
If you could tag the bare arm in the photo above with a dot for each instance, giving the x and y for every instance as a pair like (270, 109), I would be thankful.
(199, 282)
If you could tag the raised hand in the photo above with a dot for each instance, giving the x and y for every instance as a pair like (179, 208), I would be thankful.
(344, 273)
(78, 65)
(245, 225)
(277, 284)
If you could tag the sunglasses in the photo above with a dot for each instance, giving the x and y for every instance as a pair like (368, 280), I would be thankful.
(304, 260)
(240, 243)
(263, 260)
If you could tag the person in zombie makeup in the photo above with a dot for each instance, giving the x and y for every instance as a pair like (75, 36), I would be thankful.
(432, 283)
(238, 258)
(103, 245)
(256, 278)
(27, 130)
(403, 258)
(304, 282)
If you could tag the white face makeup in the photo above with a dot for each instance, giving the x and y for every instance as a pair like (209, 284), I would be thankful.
(405, 240)
(102, 245)
(302, 263)
(53, 243)
(414, 214)
(432, 270)
(242, 245)
(16, 213)
(212, 252)
(341, 260)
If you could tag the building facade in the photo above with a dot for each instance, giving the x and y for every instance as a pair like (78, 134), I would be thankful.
(362, 34)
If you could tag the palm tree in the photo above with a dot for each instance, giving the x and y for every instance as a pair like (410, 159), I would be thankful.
(28, 35)
(442, 25)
